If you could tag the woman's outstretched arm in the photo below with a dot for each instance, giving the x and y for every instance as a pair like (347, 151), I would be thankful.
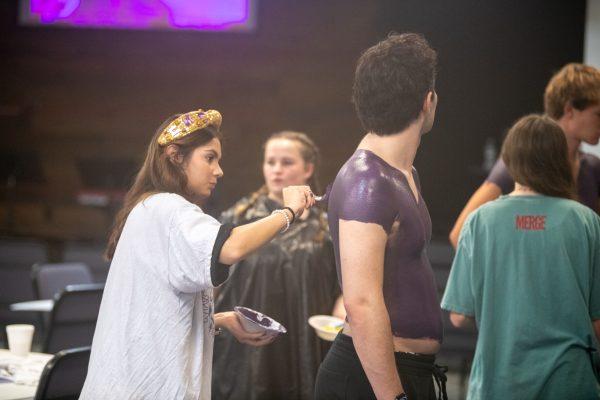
(246, 239)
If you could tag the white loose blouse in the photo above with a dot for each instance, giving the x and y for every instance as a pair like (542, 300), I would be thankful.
(154, 336)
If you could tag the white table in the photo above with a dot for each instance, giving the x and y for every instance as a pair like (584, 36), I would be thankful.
(27, 371)
(35, 305)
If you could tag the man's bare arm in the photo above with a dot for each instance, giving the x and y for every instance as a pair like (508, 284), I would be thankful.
(362, 247)
(461, 320)
(488, 191)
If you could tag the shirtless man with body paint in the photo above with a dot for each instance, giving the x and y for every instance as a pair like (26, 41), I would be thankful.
(380, 227)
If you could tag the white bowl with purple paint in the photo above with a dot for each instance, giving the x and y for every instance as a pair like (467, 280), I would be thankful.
(254, 321)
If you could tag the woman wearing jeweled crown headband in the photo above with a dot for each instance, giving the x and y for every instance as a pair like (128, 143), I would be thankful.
(154, 335)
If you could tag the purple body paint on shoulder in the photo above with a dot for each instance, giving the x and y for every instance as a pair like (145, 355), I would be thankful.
(367, 189)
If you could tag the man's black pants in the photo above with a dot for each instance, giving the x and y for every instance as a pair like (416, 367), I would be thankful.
(341, 375)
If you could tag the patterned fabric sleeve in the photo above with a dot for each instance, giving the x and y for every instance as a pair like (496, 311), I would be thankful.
(192, 238)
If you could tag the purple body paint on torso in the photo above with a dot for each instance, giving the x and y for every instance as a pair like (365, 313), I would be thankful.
(588, 180)
(367, 189)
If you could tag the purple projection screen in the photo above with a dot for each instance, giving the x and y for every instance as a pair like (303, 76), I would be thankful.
(203, 15)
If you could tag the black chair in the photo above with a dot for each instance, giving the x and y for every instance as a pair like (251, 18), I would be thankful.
(73, 318)
(16, 258)
(64, 375)
(50, 278)
(90, 254)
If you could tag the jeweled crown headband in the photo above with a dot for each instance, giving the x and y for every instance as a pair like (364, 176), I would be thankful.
(189, 123)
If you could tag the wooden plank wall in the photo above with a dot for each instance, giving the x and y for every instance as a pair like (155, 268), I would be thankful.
(102, 93)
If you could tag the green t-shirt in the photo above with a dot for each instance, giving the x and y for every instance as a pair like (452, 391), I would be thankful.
(528, 269)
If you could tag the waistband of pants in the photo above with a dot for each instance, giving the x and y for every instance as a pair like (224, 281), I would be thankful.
(422, 364)
(411, 363)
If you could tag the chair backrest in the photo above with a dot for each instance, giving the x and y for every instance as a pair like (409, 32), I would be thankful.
(64, 375)
(16, 259)
(90, 254)
(73, 318)
(50, 279)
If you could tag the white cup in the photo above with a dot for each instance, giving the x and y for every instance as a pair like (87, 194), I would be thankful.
(19, 338)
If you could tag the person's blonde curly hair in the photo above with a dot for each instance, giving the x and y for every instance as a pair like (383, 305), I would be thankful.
(577, 84)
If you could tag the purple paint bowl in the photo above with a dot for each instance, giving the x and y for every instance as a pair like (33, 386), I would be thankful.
(254, 321)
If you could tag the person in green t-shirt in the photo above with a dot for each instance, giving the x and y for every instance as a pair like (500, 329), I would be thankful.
(527, 273)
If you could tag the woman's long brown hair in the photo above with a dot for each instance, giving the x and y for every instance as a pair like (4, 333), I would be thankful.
(536, 155)
(159, 173)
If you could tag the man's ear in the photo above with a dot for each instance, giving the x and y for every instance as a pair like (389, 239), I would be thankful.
(568, 109)
(174, 154)
(429, 101)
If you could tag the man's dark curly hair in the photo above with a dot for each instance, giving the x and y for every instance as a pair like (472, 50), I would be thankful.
(391, 81)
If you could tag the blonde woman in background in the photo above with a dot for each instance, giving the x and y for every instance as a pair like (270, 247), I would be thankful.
(291, 279)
